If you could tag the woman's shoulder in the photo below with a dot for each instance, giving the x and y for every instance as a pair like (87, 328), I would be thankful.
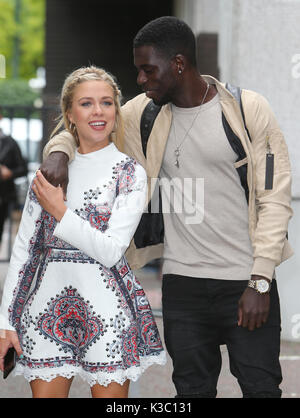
(126, 161)
(129, 173)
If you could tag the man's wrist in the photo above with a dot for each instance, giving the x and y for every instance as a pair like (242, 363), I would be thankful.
(62, 155)
(264, 267)
(258, 277)
(260, 284)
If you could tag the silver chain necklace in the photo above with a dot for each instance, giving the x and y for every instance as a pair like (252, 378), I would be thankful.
(177, 149)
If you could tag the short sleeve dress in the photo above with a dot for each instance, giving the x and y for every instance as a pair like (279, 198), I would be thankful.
(69, 293)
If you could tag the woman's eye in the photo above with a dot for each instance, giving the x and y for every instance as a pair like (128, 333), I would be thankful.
(106, 103)
(85, 104)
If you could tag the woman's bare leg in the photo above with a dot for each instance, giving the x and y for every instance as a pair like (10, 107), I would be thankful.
(113, 390)
(57, 388)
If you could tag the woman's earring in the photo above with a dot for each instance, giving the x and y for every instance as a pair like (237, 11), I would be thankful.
(74, 132)
(72, 127)
(180, 71)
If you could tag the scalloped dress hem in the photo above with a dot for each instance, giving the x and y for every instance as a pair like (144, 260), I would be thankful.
(102, 378)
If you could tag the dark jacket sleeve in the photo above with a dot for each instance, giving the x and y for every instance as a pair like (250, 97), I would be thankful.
(19, 165)
(11, 156)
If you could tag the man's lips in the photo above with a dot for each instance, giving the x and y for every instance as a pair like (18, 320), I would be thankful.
(150, 93)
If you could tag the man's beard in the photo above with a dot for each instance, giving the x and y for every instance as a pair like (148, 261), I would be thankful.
(162, 101)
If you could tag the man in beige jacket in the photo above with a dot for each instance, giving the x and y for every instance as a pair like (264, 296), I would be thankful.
(219, 282)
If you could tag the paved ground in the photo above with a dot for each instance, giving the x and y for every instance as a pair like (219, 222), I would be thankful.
(156, 381)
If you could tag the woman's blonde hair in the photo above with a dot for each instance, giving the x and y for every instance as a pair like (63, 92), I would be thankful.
(91, 73)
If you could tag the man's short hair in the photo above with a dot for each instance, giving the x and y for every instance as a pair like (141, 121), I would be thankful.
(169, 35)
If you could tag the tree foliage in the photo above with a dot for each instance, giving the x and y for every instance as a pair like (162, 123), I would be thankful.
(16, 93)
(8, 29)
(30, 31)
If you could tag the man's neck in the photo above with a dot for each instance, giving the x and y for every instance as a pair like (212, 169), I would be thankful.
(192, 90)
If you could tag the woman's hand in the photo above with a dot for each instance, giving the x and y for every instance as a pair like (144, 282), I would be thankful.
(11, 340)
(50, 197)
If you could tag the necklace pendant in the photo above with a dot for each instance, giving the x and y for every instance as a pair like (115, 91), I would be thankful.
(176, 152)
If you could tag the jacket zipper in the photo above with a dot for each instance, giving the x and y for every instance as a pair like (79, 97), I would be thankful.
(269, 166)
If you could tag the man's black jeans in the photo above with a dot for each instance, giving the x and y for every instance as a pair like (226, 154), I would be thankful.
(201, 314)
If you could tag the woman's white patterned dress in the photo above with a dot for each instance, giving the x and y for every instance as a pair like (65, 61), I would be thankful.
(69, 292)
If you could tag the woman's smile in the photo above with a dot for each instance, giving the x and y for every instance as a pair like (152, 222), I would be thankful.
(93, 112)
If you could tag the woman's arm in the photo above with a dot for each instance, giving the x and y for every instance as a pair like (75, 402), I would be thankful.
(24, 261)
(109, 246)
(23, 264)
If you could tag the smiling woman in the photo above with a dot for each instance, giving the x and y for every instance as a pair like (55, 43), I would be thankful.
(70, 299)
(90, 96)
(93, 114)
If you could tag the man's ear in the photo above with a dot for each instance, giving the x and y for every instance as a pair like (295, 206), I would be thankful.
(180, 63)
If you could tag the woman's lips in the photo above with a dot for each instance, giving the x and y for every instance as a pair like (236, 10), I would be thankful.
(98, 125)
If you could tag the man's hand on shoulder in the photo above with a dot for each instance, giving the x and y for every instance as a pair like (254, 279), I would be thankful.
(55, 169)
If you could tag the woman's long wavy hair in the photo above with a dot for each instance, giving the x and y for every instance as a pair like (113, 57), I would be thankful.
(91, 73)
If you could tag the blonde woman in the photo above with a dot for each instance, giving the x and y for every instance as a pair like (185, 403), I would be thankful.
(71, 304)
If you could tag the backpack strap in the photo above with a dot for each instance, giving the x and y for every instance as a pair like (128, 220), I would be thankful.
(237, 94)
(150, 230)
(235, 141)
(147, 121)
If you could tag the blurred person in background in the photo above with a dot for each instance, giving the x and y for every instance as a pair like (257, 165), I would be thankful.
(12, 166)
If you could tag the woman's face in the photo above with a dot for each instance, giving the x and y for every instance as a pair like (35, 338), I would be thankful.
(93, 112)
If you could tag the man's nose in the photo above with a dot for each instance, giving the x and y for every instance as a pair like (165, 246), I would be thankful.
(141, 78)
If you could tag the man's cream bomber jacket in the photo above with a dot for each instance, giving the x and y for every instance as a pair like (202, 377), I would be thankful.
(269, 210)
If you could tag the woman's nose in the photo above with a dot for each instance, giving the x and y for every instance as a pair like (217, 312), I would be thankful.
(98, 109)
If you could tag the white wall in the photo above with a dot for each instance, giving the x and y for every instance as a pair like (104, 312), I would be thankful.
(258, 41)
(200, 15)
(289, 283)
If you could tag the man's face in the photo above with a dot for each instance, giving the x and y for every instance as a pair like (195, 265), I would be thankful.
(156, 74)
